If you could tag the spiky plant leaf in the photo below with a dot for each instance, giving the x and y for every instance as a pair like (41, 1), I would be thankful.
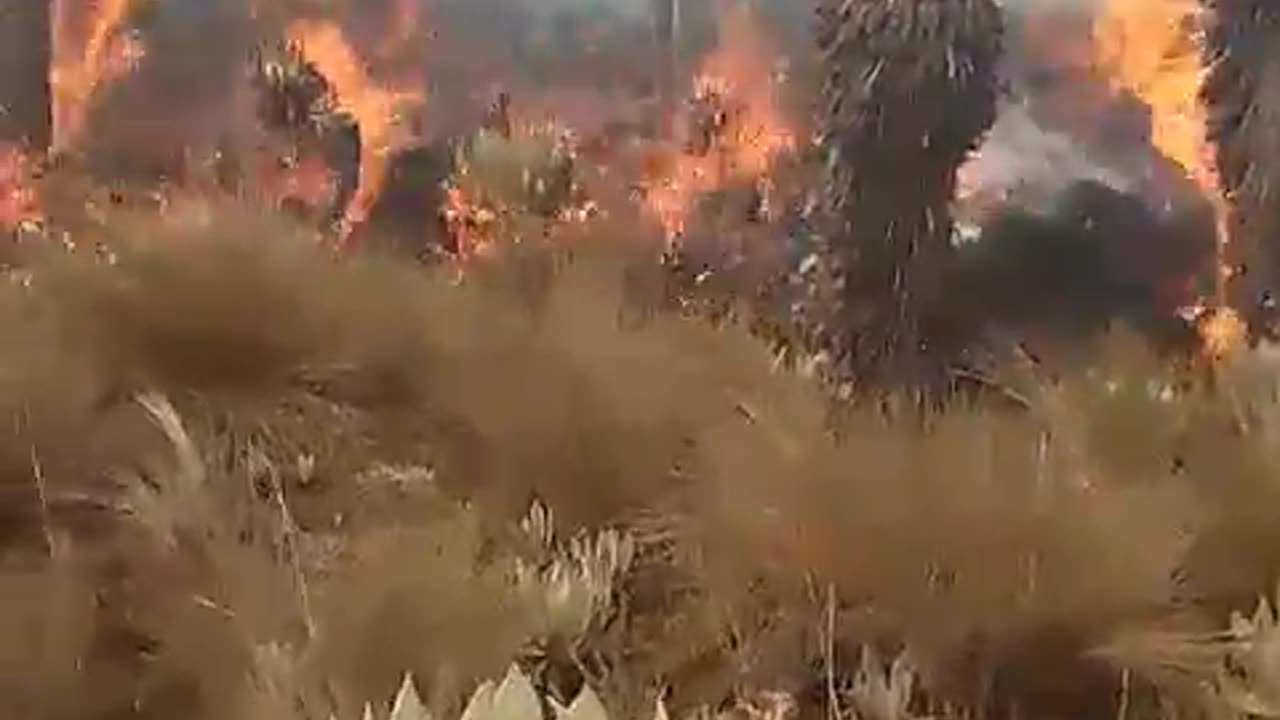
(539, 526)
(569, 587)
(480, 702)
(586, 706)
(513, 699)
(660, 710)
(880, 692)
(408, 705)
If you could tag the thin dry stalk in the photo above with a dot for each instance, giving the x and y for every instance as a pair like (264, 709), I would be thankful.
(834, 709)
(289, 537)
(42, 492)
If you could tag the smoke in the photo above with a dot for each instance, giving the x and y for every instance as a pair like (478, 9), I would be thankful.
(1062, 122)
(1028, 165)
(1082, 220)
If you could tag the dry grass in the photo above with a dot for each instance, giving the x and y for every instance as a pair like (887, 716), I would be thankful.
(245, 479)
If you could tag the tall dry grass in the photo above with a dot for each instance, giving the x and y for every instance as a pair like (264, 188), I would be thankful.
(243, 478)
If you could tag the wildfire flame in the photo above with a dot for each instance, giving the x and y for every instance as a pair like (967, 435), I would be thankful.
(376, 108)
(739, 71)
(1154, 50)
(19, 200)
(89, 53)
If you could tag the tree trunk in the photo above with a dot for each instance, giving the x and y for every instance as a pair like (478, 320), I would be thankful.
(910, 91)
(1243, 96)
(25, 54)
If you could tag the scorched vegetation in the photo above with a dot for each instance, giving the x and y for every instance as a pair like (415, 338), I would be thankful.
(580, 403)
(245, 480)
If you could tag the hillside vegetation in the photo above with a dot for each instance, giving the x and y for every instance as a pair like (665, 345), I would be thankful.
(244, 479)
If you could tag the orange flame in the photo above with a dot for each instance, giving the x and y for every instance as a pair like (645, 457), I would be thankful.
(375, 107)
(741, 71)
(19, 200)
(1154, 49)
(89, 53)
(1151, 48)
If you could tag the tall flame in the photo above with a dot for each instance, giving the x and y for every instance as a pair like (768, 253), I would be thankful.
(1154, 50)
(741, 71)
(375, 107)
(89, 53)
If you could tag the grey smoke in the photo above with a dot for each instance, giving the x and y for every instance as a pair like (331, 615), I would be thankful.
(1031, 165)
(1035, 152)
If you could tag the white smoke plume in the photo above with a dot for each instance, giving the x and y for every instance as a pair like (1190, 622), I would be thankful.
(1061, 123)
(1027, 164)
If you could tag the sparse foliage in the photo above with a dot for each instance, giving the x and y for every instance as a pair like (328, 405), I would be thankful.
(571, 586)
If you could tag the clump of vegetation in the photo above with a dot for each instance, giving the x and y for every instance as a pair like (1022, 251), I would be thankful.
(246, 479)
(912, 85)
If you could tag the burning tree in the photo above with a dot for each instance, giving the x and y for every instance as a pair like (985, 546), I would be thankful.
(910, 90)
(1243, 93)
